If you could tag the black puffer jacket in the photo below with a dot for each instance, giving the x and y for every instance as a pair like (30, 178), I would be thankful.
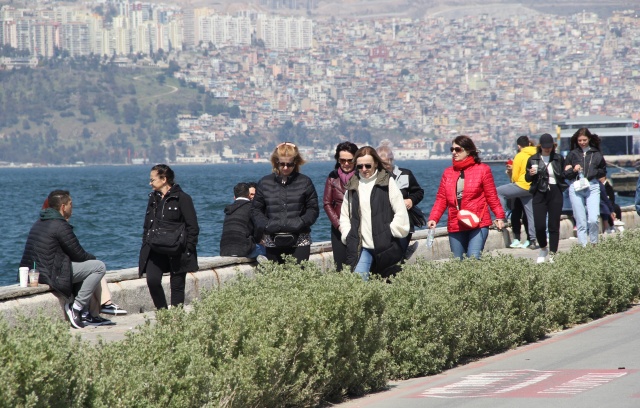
(238, 237)
(176, 206)
(290, 207)
(52, 245)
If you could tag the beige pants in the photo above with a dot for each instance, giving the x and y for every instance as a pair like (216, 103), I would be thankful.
(101, 295)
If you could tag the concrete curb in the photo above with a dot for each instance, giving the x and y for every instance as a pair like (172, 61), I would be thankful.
(131, 293)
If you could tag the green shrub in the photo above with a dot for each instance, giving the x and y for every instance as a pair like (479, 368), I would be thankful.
(296, 337)
(38, 364)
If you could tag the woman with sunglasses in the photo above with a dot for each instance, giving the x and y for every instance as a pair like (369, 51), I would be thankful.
(373, 218)
(467, 185)
(334, 190)
(286, 206)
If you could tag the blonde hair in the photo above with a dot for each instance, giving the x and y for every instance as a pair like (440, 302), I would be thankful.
(286, 149)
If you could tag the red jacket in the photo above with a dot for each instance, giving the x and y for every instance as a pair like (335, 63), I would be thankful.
(479, 193)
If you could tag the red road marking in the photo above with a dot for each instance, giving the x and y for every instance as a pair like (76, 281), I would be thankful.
(525, 384)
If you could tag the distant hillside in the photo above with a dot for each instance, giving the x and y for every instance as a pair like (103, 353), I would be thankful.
(81, 110)
(420, 8)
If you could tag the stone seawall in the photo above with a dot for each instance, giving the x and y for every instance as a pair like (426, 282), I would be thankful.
(131, 293)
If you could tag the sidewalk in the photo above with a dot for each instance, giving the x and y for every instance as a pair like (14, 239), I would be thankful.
(123, 324)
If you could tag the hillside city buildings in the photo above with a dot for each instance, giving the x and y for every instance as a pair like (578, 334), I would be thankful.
(493, 79)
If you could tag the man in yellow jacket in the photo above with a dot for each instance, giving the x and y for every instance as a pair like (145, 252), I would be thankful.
(519, 188)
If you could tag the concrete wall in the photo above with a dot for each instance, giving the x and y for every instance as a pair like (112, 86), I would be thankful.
(131, 293)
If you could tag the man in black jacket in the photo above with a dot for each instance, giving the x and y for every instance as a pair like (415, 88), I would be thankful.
(239, 236)
(62, 262)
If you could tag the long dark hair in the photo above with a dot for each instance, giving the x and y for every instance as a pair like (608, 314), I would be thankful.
(594, 140)
(344, 147)
(165, 171)
(467, 144)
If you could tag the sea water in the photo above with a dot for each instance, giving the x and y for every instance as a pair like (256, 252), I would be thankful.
(109, 203)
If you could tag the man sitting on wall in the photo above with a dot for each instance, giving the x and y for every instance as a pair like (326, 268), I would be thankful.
(239, 236)
(62, 262)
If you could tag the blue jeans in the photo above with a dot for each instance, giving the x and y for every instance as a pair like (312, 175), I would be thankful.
(586, 209)
(469, 242)
(258, 250)
(364, 263)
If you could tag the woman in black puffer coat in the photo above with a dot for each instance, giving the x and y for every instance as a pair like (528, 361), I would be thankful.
(167, 201)
(286, 206)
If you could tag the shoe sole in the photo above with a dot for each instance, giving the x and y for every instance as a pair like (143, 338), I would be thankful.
(113, 312)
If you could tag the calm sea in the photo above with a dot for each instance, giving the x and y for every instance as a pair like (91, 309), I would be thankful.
(109, 203)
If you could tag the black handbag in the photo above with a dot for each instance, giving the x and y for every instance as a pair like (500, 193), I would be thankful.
(417, 217)
(167, 237)
(285, 240)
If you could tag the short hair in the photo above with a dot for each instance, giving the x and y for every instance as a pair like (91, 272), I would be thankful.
(241, 190)
(594, 140)
(523, 141)
(286, 149)
(165, 171)
(344, 147)
(385, 150)
(58, 197)
(467, 144)
(368, 150)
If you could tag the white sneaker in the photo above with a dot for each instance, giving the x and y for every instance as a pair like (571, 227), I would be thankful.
(618, 223)
(261, 259)
(515, 244)
(525, 244)
(542, 255)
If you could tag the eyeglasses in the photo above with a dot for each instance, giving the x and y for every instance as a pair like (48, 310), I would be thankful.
(456, 149)
(366, 166)
(345, 161)
(289, 165)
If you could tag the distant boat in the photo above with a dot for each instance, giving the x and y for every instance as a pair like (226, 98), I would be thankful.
(624, 183)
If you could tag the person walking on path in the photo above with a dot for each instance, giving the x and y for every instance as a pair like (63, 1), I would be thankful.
(585, 161)
(544, 172)
(334, 189)
(239, 236)
(63, 263)
(373, 218)
(168, 202)
(411, 191)
(519, 187)
(286, 206)
(467, 191)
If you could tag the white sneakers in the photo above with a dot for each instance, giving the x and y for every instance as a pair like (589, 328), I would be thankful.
(542, 255)
(515, 244)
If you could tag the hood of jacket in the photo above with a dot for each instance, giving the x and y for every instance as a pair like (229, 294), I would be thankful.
(50, 214)
(231, 208)
(529, 150)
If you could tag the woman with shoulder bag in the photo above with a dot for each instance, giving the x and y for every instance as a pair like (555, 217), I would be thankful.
(545, 173)
(584, 165)
(467, 191)
(168, 204)
(286, 206)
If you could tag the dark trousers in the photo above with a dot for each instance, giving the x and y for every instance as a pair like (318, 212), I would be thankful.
(548, 204)
(339, 249)
(156, 266)
(517, 214)
(301, 253)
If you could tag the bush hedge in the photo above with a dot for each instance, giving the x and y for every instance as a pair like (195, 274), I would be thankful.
(294, 336)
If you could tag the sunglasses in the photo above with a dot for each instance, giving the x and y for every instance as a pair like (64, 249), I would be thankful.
(289, 165)
(366, 166)
(345, 161)
(456, 149)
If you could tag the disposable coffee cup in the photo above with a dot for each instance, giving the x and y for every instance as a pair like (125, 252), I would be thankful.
(535, 168)
(34, 275)
(24, 276)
